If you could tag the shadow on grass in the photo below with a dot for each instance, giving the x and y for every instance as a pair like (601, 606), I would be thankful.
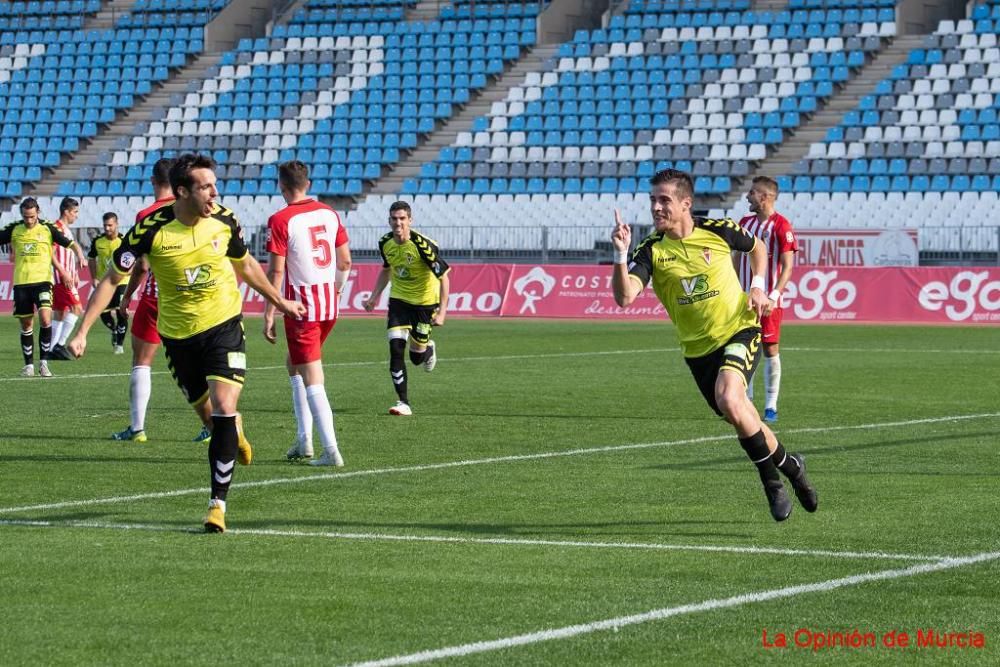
(706, 464)
(581, 530)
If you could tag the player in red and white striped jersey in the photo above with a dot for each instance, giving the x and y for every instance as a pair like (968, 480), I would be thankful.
(66, 307)
(145, 338)
(309, 251)
(776, 232)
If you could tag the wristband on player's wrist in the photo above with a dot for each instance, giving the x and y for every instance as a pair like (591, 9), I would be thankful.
(758, 282)
(775, 295)
(621, 257)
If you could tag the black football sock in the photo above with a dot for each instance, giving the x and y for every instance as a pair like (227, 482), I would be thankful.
(418, 358)
(397, 367)
(756, 448)
(222, 454)
(44, 342)
(121, 329)
(108, 320)
(786, 464)
(28, 346)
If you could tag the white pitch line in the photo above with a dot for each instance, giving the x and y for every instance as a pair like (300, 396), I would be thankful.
(669, 612)
(383, 362)
(494, 541)
(470, 462)
(547, 355)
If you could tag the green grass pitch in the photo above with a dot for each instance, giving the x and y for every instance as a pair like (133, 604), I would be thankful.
(561, 496)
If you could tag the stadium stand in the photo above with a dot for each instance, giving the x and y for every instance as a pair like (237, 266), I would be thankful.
(923, 149)
(344, 88)
(352, 86)
(87, 77)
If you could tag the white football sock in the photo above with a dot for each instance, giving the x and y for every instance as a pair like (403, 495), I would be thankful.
(56, 330)
(140, 386)
(772, 382)
(320, 406)
(300, 405)
(68, 322)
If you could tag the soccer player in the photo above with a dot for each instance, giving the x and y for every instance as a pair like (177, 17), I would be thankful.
(418, 298)
(66, 306)
(145, 339)
(102, 249)
(31, 240)
(309, 251)
(775, 231)
(688, 261)
(195, 250)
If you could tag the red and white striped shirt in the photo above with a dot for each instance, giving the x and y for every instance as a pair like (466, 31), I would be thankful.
(65, 256)
(306, 233)
(149, 289)
(778, 237)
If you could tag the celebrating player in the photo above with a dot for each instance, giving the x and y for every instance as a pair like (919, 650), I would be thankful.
(688, 261)
(195, 249)
(418, 298)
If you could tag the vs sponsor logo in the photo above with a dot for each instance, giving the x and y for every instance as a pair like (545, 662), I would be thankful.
(197, 277)
(696, 288)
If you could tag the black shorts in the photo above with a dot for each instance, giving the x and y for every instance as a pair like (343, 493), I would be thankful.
(216, 354)
(741, 353)
(31, 296)
(116, 298)
(416, 319)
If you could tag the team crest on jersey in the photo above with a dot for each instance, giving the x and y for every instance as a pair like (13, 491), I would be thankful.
(706, 254)
(215, 244)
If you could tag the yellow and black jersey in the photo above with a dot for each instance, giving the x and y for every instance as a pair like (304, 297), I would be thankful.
(191, 263)
(416, 268)
(32, 250)
(695, 281)
(103, 249)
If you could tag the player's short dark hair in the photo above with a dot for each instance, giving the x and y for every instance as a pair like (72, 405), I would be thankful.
(680, 180)
(401, 206)
(107, 216)
(180, 170)
(769, 183)
(161, 170)
(294, 175)
(68, 203)
(28, 203)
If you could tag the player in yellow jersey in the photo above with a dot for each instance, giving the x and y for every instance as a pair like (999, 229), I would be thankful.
(689, 262)
(418, 299)
(195, 250)
(31, 240)
(99, 260)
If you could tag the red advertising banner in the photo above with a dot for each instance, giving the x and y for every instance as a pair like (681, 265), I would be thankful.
(946, 295)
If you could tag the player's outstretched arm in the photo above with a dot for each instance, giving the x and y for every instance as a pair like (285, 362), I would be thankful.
(758, 268)
(275, 276)
(624, 288)
(380, 283)
(252, 274)
(99, 300)
(134, 280)
(442, 310)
